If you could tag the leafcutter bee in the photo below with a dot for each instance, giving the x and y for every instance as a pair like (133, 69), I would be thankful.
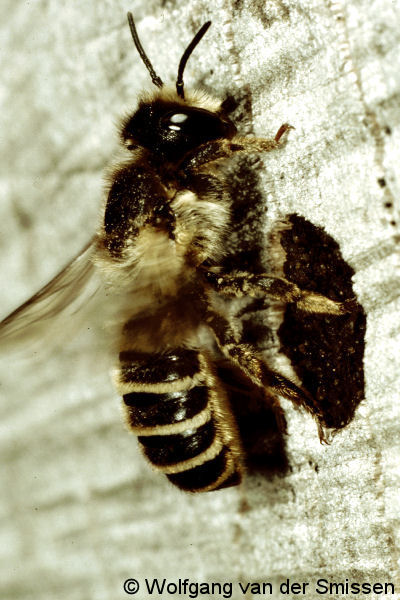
(159, 250)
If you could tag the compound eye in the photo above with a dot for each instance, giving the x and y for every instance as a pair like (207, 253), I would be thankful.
(175, 121)
(178, 118)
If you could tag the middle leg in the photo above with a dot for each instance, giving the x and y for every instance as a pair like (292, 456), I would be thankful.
(257, 285)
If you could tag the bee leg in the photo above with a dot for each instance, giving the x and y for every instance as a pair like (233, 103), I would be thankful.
(255, 285)
(253, 144)
(281, 131)
(217, 150)
(236, 382)
(279, 414)
(246, 358)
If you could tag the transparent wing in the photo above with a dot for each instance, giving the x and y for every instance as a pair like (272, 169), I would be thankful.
(64, 295)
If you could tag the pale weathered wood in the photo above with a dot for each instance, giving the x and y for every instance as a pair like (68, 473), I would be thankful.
(81, 511)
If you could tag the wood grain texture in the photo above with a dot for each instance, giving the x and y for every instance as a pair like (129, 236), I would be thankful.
(80, 510)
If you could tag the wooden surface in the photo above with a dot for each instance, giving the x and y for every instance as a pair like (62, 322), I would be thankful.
(80, 510)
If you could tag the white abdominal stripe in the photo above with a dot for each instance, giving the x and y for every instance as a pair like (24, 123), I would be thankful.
(169, 405)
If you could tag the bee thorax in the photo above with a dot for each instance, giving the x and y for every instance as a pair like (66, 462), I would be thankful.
(200, 225)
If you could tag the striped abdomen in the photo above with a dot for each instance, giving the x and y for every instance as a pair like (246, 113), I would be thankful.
(179, 410)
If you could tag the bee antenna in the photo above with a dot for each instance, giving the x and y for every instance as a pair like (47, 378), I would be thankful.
(185, 57)
(154, 77)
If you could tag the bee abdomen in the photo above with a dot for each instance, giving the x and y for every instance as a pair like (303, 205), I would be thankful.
(214, 474)
(176, 370)
(179, 427)
(147, 410)
(174, 452)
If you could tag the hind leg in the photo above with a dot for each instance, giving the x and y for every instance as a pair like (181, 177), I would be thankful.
(246, 358)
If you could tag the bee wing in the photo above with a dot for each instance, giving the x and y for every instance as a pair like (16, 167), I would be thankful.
(75, 285)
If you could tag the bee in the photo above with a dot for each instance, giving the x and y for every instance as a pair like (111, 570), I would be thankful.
(160, 250)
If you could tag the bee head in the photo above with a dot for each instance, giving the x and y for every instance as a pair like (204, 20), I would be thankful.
(169, 125)
(171, 129)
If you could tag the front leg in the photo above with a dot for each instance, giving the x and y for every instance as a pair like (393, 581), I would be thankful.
(241, 284)
(218, 150)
